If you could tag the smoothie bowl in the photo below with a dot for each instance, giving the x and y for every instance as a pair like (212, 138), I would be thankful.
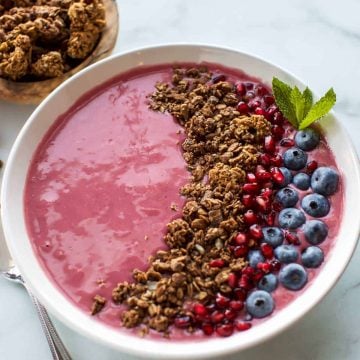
(160, 204)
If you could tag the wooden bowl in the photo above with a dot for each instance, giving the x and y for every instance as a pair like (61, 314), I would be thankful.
(34, 92)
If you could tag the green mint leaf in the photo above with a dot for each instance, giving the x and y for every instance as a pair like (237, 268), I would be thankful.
(282, 94)
(298, 102)
(307, 95)
(319, 109)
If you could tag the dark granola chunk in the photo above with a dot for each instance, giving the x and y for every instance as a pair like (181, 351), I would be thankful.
(98, 304)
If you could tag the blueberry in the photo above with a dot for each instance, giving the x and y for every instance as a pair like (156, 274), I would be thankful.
(307, 139)
(295, 159)
(268, 283)
(293, 276)
(325, 181)
(315, 205)
(273, 236)
(291, 218)
(260, 304)
(286, 254)
(255, 257)
(312, 257)
(301, 181)
(315, 231)
(287, 197)
(287, 176)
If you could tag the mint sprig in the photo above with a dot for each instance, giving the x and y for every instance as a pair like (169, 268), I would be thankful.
(298, 106)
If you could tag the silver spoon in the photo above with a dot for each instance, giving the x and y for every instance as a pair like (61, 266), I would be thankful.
(9, 270)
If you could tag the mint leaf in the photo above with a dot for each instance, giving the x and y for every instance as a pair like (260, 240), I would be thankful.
(319, 109)
(298, 102)
(282, 94)
(307, 95)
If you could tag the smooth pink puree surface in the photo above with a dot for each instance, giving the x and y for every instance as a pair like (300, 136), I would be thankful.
(101, 185)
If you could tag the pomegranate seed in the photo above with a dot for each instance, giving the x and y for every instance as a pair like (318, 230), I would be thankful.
(236, 305)
(278, 119)
(277, 175)
(259, 111)
(207, 329)
(264, 267)
(217, 263)
(263, 175)
(240, 294)
(182, 322)
(265, 159)
(275, 265)
(222, 301)
(261, 90)
(249, 85)
(269, 100)
(256, 231)
(276, 160)
(250, 217)
(258, 274)
(251, 188)
(266, 192)
(230, 314)
(218, 78)
(248, 201)
(269, 144)
(287, 142)
(225, 329)
(200, 309)
(278, 131)
(241, 239)
(270, 218)
(242, 108)
(248, 271)
(251, 178)
(292, 238)
(217, 317)
(211, 308)
(311, 166)
(267, 250)
(276, 206)
(253, 104)
(241, 251)
(242, 325)
(240, 89)
(232, 280)
(271, 111)
(245, 282)
(263, 204)
(249, 95)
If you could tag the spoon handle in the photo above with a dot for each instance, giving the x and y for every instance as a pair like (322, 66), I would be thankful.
(56, 345)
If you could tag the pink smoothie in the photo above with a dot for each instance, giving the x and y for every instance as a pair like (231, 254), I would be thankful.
(105, 181)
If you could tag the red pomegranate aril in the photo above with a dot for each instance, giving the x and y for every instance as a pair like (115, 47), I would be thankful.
(264, 267)
(276, 160)
(249, 85)
(267, 250)
(292, 238)
(265, 159)
(276, 206)
(278, 119)
(217, 263)
(251, 188)
(269, 144)
(311, 167)
(217, 317)
(258, 274)
(267, 192)
(240, 294)
(263, 175)
(270, 218)
(242, 108)
(240, 89)
(259, 111)
(275, 265)
(268, 100)
(241, 239)
(261, 90)
(250, 217)
(232, 279)
(217, 78)
(278, 132)
(207, 329)
(245, 282)
(277, 175)
(182, 322)
(256, 231)
(222, 301)
(263, 204)
(200, 309)
(241, 251)
(242, 325)
(225, 329)
(251, 178)
(287, 142)
(249, 95)
(271, 111)
(248, 201)
(248, 271)
(253, 104)
(237, 305)
(230, 314)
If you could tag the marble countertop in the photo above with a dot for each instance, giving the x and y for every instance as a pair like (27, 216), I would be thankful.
(319, 41)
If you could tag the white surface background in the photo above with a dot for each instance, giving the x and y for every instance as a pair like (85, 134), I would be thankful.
(319, 41)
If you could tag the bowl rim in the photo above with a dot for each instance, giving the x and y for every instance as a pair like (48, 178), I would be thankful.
(145, 347)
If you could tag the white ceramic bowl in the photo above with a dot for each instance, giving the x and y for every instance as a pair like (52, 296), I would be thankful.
(60, 100)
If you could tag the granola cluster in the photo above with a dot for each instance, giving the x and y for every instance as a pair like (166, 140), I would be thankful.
(42, 39)
(220, 146)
